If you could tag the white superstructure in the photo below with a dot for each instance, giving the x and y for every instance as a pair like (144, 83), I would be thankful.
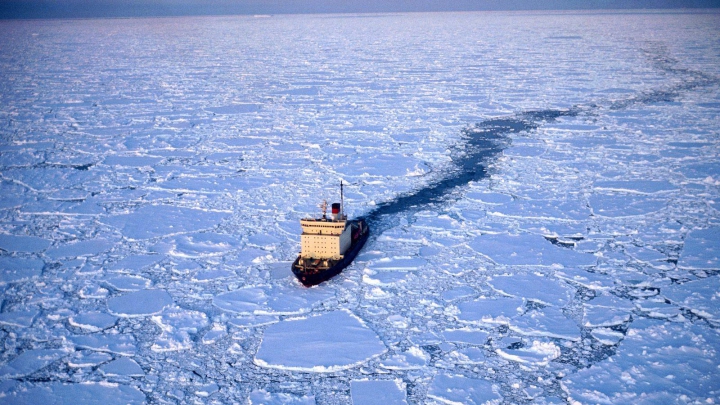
(324, 238)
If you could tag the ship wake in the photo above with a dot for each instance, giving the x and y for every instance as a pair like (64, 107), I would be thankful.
(482, 143)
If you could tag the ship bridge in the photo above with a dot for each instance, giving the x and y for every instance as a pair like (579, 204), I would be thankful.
(324, 238)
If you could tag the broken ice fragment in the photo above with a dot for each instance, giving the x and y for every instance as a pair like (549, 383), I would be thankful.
(131, 161)
(657, 362)
(253, 321)
(262, 397)
(411, 359)
(378, 392)
(87, 393)
(242, 301)
(699, 296)
(21, 319)
(533, 287)
(88, 359)
(159, 220)
(139, 303)
(212, 274)
(128, 282)
(14, 269)
(468, 355)
(451, 389)
(458, 293)
(489, 310)
(206, 244)
(636, 186)
(539, 354)
(29, 362)
(701, 249)
(607, 336)
(528, 250)
(135, 263)
(216, 333)
(124, 367)
(25, 244)
(620, 205)
(467, 336)
(110, 343)
(176, 325)
(326, 343)
(82, 248)
(550, 322)
(600, 316)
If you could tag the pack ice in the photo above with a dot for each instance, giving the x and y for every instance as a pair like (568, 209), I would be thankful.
(543, 192)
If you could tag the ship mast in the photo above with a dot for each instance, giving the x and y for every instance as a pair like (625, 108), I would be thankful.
(342, 202)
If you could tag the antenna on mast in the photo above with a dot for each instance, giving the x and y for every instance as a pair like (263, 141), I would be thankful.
(342, 202)
(323, 208)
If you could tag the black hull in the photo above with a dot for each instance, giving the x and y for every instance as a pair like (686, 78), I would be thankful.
(311, 279)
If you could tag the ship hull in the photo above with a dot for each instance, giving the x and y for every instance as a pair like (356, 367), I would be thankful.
(310, 276)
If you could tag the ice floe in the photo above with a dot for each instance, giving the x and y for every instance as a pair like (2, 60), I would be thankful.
(262, 397)
(544, 289)
(491, 310)
(699, 297)
(14, 269)
(152, 221)
(177, 325)
(30, 361)
(467, 336)
(378, 392)
(452, 389)
(549, 322)
(27, 244)
(528, 250)
(21, 319)
(84, 358)
(124, 344)
(657, 362)
(413, 358)
(122, 367)
(536, 241)
(701, 249)
(90, 393)
(539, 353)
(139, 303)
(80, 248)
(128, 282)
(271, 300)
(324, 343)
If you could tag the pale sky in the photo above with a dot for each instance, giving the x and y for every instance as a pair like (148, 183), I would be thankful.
(134, 8)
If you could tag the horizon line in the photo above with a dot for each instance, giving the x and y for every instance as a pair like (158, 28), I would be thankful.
(654, 10)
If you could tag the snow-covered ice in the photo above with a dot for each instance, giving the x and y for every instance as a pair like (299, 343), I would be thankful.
(540, 353)
(545, 214)
(161, 220)
(378, 392)
(491, 310)
(528, 250)
(324, 343)
(16, 269)
(701, 249)
(139, 303)
(122, 367)
(29, 362)
(90, 393)
(451, 389)
(658, 362)
(124, 344)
